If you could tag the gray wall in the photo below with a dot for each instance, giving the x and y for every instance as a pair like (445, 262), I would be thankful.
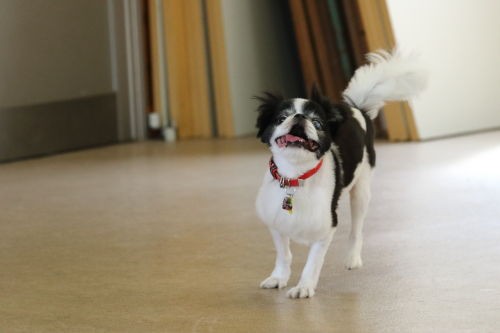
(56, 86)
(460, 46)
(260, 56)
(48, 56)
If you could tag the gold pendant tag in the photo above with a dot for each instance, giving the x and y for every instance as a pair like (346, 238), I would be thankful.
(288, 201)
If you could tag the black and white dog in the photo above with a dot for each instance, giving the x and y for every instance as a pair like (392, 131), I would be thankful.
(320, 151)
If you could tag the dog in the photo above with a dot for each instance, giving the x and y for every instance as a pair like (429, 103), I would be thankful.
(321, 151)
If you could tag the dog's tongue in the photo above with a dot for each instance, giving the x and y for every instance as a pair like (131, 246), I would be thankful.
(292, 138)
(282, 141)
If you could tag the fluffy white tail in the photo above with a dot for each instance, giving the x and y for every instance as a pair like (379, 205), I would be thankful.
(386, 77)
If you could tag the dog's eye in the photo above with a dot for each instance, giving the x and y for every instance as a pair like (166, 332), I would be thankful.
(316, 124)
(282, 119)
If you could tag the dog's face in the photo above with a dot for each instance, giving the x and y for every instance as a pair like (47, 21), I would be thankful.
(297, 129)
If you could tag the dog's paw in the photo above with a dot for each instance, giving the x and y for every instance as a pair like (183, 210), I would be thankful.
(273, 282)
(301, 291)
(353, 261)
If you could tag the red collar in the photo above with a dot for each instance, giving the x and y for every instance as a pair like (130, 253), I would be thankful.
(292, 182)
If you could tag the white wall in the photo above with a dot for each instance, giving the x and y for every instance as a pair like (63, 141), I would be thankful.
(460, 43)
(53, 50)
(259, 56)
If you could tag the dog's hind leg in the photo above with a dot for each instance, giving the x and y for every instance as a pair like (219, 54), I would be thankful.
(360, 199)
(281, 273)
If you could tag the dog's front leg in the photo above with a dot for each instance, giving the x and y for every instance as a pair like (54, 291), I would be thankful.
(281, 273)
(312, 269)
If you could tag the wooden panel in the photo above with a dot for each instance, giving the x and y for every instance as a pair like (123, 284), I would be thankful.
(187, 68)
(176, 65)
(410, 120)
(305, 45)
(220, 78)
(198, 69)
(332, 78)
(359, 47)
(355, 31)
(377, 25)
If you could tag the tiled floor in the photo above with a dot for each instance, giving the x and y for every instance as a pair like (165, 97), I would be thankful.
(153, 237)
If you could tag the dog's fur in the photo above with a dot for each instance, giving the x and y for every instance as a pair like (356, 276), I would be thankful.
(342, 136)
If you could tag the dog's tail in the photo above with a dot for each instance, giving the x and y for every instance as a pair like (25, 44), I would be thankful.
(386, 77)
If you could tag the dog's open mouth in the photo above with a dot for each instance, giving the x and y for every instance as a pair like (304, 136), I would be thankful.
(290, 140)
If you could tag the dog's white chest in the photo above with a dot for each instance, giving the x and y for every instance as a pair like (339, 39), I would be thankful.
(311, 217)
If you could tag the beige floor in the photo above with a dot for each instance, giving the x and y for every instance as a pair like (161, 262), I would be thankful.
(163, 238)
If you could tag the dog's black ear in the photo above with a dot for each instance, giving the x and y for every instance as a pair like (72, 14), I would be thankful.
(336, 115)
(317, 97)
(269, 105)
(316, 94)
(334, 112)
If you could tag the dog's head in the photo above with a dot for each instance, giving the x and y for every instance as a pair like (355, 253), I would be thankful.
(297, 129)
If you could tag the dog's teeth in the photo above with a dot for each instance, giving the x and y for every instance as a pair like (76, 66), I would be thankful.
(282, 141)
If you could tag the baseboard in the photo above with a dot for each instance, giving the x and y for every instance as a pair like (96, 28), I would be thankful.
(48, 128)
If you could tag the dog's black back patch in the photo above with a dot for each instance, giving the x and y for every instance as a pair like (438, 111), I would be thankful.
(350, 139)
(369, 140)
(337, 172)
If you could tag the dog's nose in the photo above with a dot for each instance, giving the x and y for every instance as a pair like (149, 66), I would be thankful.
(299, 116)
